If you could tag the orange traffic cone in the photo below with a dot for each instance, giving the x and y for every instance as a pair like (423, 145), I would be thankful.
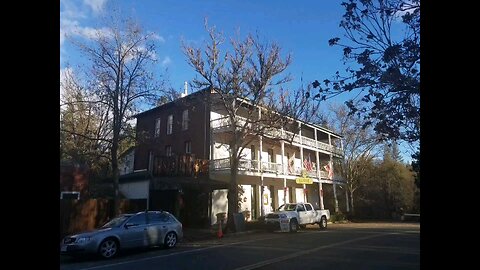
(220, 233)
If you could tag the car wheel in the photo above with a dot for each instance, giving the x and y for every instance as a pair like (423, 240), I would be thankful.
(108, 248)
(293, 225)
(323, 223)
(170, 240)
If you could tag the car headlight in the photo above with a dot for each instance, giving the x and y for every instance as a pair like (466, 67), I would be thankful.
(83, 240)
(282, 216)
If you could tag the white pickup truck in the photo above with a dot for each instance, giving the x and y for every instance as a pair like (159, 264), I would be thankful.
(294, 215)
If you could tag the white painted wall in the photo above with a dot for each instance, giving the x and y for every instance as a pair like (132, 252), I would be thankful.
(221, 151)
(215, 115)
(267, 200)
(246, 203)
(219, 204)
(135, 190)
(299, 195)
(126, 163)
(280, 197)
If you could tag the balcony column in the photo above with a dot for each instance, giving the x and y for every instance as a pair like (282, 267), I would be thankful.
(301, 158)
(262, 209)
(282, 143)
(212, 144)
(320, 187)
(331, 168)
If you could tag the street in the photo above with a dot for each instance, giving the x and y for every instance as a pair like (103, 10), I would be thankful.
(341, 246)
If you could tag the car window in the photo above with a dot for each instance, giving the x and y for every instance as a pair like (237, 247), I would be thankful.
(288, 207)
(115, 222)
(138, 219)
(300, 208)
(158, 217)
(309, 207)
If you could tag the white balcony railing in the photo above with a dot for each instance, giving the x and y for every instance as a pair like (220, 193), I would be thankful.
(266, 167)
(224, 124)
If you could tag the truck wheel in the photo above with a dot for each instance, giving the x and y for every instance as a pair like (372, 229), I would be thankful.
(323, 223)
(293, 225)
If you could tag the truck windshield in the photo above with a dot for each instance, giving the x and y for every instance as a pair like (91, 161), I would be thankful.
(288, 207)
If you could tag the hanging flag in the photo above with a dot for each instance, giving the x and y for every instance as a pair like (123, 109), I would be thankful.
(291, 163)
(329, 169)
(307, 164)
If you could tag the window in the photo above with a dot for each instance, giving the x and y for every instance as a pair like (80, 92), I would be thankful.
(158, 217)
(185, 120)
(168, 150)
(252, 152)
(138, 219)
(300, 208)
(309, 207)
(188, 147)
(69, 195)
(157, 127)
(170, 124)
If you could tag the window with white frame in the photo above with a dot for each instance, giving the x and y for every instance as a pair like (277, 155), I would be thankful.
(170, 124)
(188, 147)
(69, 195)
(157, 127)
(168, 150)
(185, 120)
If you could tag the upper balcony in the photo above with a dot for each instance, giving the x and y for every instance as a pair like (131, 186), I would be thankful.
(248, 166)
(223, 124)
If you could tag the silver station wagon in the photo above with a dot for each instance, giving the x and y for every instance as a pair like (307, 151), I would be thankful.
(143, 229)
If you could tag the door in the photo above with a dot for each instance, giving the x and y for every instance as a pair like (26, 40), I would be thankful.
(158, 224)
(310, 213)
(135, 234)
(302, 214)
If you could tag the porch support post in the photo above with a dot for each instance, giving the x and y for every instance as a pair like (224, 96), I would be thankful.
(284, 171)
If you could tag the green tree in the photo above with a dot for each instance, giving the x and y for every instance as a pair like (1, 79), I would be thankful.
(382, 47)
(397, 184)
(416, 167)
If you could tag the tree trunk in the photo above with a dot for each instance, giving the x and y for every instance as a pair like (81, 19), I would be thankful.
(335, 198)
(352, 208)
(232, 191)
(115, 172)
(115, 175)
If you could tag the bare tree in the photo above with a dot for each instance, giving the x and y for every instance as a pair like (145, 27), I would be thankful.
(359, 143)
(120, 79)
(245, 83)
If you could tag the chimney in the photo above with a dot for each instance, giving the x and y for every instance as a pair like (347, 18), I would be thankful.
(185, 92)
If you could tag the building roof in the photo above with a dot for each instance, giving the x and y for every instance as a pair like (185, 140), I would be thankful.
(171, 102)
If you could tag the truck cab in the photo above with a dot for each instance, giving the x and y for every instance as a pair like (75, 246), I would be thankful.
(291, 216)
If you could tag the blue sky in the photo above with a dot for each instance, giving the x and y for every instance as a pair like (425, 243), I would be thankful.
(301, 28)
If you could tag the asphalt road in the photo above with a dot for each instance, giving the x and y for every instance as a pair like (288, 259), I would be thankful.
(341, 246)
